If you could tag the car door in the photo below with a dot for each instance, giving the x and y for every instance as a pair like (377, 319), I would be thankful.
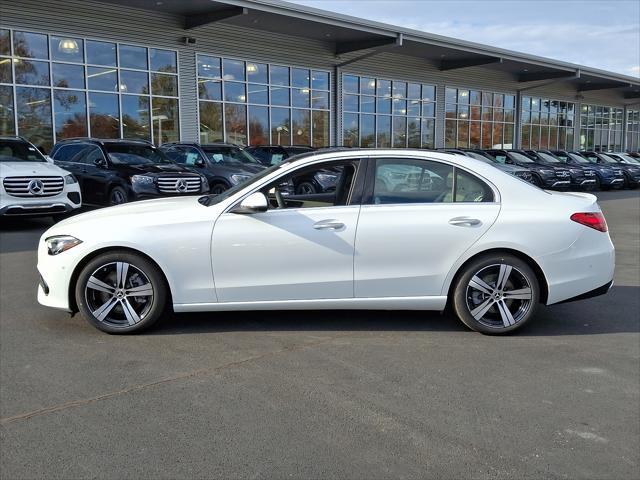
(301, 248)
(418, 217)
(96, 174)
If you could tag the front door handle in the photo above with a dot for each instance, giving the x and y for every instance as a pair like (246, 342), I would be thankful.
(328, 225)
(464, 222)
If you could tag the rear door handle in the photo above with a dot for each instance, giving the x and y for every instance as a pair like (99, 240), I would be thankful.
(328, 225)
(464, 222)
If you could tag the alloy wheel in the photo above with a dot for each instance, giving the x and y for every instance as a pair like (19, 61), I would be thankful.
(305, 188)
(119, 294)
(117, 197)
(499, 296)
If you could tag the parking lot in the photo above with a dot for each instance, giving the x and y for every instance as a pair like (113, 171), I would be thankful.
(322, 395)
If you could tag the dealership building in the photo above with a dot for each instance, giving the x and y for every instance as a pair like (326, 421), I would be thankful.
(269, 72)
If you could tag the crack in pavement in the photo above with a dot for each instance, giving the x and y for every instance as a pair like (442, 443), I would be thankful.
(144, 386)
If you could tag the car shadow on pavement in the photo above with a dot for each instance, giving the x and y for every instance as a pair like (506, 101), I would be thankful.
(616, 312)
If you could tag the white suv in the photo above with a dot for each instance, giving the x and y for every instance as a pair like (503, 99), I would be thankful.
(31, 185)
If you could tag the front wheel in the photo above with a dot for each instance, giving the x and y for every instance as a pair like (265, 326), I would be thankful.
(306, 188)
(117, 196)
(537, 181)
(496, 294)
(121, 292)
(218, 188)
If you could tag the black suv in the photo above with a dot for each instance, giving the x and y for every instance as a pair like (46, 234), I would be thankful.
(111, 172)
(274, 154)
(581, 177)
(606, 177)
(545, 176)
(225, 165)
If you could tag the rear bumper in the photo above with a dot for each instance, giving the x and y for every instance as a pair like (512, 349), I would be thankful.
(596, 292)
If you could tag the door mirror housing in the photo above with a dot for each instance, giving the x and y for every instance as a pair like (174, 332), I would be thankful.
(199, 163)
(254, 203)
(100, 163)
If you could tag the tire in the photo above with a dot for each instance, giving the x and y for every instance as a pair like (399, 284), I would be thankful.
(114, 310)
(596, 186)
(306, 188)
(117, 196)
(218, 188)
(495, 312)
(535, 179)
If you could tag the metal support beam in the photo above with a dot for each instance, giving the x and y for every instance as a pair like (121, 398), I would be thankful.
(193, 21)
(587, 87)
(555, 75)
(468, 62)
(347, 47)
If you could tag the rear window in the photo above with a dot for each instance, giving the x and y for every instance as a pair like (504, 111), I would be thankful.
(16, 151)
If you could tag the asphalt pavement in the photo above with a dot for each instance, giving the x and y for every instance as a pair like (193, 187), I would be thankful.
(323, 394)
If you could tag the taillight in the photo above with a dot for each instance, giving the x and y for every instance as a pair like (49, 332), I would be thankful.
(593, 220)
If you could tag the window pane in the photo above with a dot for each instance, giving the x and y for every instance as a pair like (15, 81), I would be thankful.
(235, 92)
(258, 94)
(413, 135)
(475, 132)
(413, 108)
(133, 57)
(508, 136)
(399, 132)
(5, 42)
(101, 53)
(475, 97)
(450, 137)
(280, 126)
(451, 95)
(412, 181)
(463, 134)
(428, 93)
(209, 67)
(258, 125)
(279, 75)
(6, 72)
(367, 131)
(383, 105)
(280, 96)
(134, 82)
(7, 118)
(428, 133)
(67, 76)
(383, 131)
(301, 125)
(429, 109)
(209, 89)
(34, 115)
(350, 84)
(399, 106)
(67, 49)
(320, 129)
(135, 117)
(300, 97)
(383, 88)
(350, 103)
(211, 122)
(102, 79)
(367, 86)
(104, 115)
(350, 131)
(463, 97)
(399, 90)
(70, 112)
(163, 60)
(165, 116)
(32, 73)
(320, 80)
(320, 99)
(413, 91)
(486, 135)
(257, 72)
(497, 135)
(233, 69)
(471, 189)
(31, 45)
(498, 100)
(300, 78)
(166, 85)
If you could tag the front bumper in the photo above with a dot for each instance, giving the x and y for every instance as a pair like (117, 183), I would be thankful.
(66, 201)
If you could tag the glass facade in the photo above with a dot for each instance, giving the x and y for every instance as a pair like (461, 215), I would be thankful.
(601, 128)
(546, 123)
(478, 119)
(54, 86)
(633, 130)
(251, 103)
(387, 113)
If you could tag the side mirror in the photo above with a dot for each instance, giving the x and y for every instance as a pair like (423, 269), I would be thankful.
(254, 203)
(199, 163)
(100, 163)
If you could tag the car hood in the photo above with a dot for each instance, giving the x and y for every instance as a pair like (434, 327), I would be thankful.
(30, 168)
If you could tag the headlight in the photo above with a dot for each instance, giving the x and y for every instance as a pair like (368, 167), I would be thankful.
(237, 178)
(61, 243)
(69, 179)
(326, 177)
(142, 180)
(547, 172)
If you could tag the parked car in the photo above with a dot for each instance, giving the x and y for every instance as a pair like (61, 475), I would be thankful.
(274, 154)
(471, 241)
(606, 176)
(581, 177)
(112, 172)
(519, 172)
(223, 164)
(544, 176)
(631, 172)
(31, 185)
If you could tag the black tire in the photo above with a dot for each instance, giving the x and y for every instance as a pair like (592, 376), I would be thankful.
(218, 188)
(123, 313)
(306, 187)
(596, 186)
(536, 180)
(491, 317)
(117, 196)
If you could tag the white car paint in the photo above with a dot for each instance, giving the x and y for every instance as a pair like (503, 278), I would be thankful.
(390, 257)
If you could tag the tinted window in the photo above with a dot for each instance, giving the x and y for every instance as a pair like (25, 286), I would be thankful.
(579, 158)
(66, 152)
(469, 188)
(224, 154)
(548, 158)
(518, 157)
(183, 155)
(123, 154)
(11, 151)
(412, 181)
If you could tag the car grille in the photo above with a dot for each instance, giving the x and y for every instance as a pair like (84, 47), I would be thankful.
(179, 184)
(589, 173)
(618, 173)
(33, 186)
(562, 173)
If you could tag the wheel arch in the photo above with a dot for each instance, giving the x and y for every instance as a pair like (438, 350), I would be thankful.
(540, 276)
(85, 260)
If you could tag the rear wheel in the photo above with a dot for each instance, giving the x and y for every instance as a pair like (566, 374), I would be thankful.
(121, 292)
(496, 294)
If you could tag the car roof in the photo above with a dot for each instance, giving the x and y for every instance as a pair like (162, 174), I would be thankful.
(102, 141)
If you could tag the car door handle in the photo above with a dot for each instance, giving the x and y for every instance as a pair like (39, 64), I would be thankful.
(328, 225)
(464, 222)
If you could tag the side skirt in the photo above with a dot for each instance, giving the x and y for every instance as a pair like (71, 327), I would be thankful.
(378, 303)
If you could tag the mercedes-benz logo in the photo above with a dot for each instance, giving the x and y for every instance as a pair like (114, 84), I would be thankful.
(181, 185)
(35, 187)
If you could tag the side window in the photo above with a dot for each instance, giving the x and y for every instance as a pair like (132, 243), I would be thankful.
(173, 153)
(500, 157)
(184, 155)
(66, 152)
(91, 154)
(468, 188)
(326, 185)
(412, 181)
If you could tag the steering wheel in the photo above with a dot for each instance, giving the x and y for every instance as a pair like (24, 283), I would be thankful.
(279, 199)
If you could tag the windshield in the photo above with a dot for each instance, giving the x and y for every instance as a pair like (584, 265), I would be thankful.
(208, 200)
(629, 158)
(548, 158)
(228, 155)
(607, 158)
(579, 158)
(518, 157)
(16, 151)
(123, 154)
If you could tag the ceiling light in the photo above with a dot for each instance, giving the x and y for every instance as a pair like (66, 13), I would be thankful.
(252, 68)
(68, 45)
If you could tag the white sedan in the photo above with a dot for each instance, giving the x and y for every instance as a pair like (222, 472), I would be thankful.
(401, 230)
